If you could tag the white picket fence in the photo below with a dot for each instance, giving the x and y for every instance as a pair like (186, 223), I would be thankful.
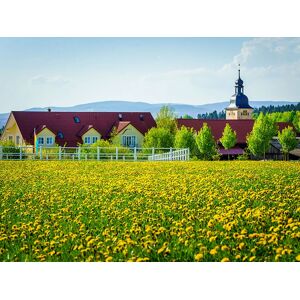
(180, 154)
(92, 153)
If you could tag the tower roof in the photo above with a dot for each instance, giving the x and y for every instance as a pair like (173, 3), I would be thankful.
(239, 99)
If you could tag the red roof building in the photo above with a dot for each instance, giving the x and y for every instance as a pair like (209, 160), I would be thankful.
(69, 127)
(241, 127)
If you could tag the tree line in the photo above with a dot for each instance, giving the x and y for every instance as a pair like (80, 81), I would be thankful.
(203, 144)
(280, 113)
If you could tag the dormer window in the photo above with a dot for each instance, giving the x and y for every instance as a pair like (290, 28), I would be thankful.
(60, 135)
(76, 119)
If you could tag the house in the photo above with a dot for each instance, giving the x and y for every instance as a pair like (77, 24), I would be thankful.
(73, 128)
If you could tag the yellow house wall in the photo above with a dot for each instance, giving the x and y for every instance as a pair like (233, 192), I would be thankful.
(129, 131)
(12, 129)
(46, 133)
(92, 132)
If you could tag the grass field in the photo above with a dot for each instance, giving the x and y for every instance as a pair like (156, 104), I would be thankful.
(156, 211)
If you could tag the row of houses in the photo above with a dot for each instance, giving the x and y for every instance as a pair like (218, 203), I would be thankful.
(124, 128)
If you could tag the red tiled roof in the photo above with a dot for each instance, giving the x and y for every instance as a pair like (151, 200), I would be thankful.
(64, 122)
(242, 127)
(121, 125)
(41, 128)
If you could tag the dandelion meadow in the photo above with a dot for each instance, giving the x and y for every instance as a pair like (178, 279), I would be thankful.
(149, 211)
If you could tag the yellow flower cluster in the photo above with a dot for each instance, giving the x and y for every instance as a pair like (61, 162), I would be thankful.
(149, 211)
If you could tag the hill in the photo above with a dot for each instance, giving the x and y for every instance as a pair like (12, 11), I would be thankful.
(180, 109)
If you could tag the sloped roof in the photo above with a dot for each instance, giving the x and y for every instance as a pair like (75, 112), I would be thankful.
(64, 122)
(85, 129)
(121, 125)
(41, 128)
(242, 127)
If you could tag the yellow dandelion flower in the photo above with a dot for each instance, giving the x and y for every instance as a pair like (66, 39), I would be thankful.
(213, 251)
(225, 259)
(198, 256)
(224, 248)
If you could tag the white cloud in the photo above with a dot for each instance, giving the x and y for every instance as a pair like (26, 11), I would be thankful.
(270, 68)
(46, 80)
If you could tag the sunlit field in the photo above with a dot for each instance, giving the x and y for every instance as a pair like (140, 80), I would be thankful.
(149, 211)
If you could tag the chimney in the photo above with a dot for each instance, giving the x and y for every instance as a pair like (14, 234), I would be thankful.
(120, 117)
(49, 109)
(142, 117)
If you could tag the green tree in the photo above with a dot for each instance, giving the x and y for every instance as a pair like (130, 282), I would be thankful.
(288, 141)
(166, 119)
(185, 138)
(158, 138)
(186, 116)
(259, 139)
(206, 143)
(228, 139)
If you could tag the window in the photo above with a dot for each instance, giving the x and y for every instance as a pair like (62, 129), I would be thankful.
(49, 140)
(76, 120)
(94, 139)
(60, 135)
(10, 138)
(17, 140)
(87, 140)
(41, 141)
(129, 140)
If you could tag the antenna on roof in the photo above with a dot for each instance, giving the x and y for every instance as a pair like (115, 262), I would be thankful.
(49, 109)
(239, 70)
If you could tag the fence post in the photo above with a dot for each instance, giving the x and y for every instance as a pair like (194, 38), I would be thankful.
(188, 154)
(171, 153)
(1, 153)
(116, 153)
(153, 152)
(20, 148)
(78, 156)
(134, 154)
(41, 152)
(59, 152)
(98, 153)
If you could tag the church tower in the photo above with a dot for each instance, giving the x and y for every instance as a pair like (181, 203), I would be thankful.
(239, 108)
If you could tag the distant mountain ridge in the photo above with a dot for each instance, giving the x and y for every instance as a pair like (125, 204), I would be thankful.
(127, 106)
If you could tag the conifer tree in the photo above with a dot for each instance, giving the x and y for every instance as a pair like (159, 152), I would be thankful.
(206, 143)
(228, 139)
(288, 141)
(185, 138)
(259, 139)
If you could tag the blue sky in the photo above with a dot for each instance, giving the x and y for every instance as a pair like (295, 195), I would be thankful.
(39, 72)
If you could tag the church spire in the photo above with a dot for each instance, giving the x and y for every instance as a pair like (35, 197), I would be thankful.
(239, 84)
